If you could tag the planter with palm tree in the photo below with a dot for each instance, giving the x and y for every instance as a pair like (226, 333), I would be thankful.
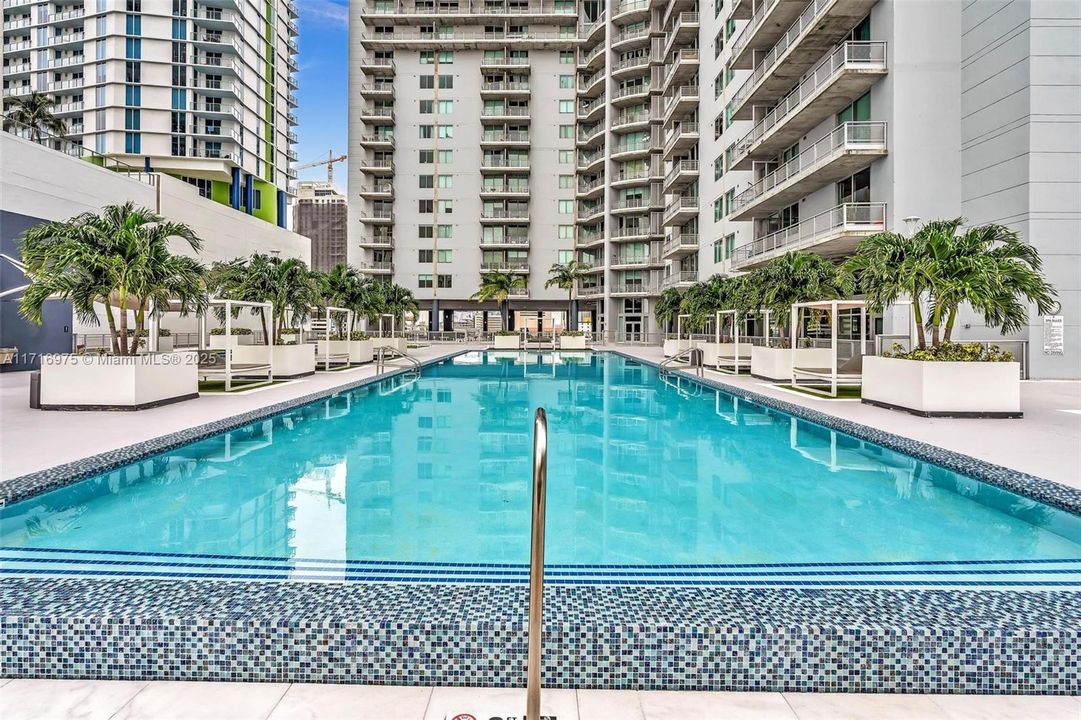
(566, 277)
(507, 340)
(497, 287)
(391, 302)
(941, 269)
(666, 310)
(345, 287)
(792, 278)
(572, 340)
(292, 289)
(117, 263)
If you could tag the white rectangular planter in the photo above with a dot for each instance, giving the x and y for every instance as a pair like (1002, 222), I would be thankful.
(337, 347)
(572, 342)
(943, 389)
(360, 351)
(109, 382)
(675, 347)
(395, 342)
(711, 352)
(165, 343)
(507, 342)
(776, 363)
(220, 342)
(286, 361)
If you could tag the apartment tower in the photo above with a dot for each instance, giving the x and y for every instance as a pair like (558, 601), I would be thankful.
(320, 213)
(203, 90)
(462, 142)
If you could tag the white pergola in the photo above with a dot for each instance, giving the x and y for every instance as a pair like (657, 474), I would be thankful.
(328, 356)
(207, 369)
(725, 363)
(393, 322)
(852, 370)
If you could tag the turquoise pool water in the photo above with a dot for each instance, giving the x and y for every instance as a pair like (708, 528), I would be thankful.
(398, 476)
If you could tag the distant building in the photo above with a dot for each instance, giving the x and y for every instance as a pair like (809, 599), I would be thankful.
(320, 214)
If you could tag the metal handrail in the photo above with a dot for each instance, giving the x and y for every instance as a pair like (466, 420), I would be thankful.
(688, 355)
(536, 564)
(381, 361)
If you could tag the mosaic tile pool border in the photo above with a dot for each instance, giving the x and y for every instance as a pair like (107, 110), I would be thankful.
(708, 638)
(42, 481)
(595, 637)
(1036, 488)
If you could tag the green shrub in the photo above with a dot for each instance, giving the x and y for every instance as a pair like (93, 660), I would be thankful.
(951, 352)
(571, 333)
(236, 331)
(507, 333)
(291, 331)
(357, 335)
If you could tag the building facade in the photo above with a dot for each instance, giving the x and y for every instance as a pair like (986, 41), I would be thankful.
(321, 214)
(462, 146)
(204, 91)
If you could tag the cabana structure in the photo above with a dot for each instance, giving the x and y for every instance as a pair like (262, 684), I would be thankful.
(214, 364)
(727, 357)
(334, 352)
(391, 340)
(675, 346)
(837, 373)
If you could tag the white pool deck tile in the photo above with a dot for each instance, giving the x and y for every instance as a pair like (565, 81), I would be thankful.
(117, 700)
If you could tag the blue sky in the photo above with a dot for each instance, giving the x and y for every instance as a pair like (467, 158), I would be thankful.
(323, 77)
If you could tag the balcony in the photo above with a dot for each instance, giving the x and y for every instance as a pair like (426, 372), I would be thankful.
(13, 70)
(590, 31)
(680, 279)
(832, 234)
(681, 210)
(590, 161)
(634, 289)
(377, 268)
(631, 120)
(625, 40)
(848, 149)
(377, 242)
(68, 108)
(215, 110)
(630, 66)
(216, 64)
(765, 27)
(682, 67)
(515, 267)
(465, 12)
(59, 85)
(592, 60)
(377, 141)
(590, 188)
(680, 140)
(504, 164)
(630, 94)
(376, 217)
(590, 291)
(636, 232)
(591, 136)
(629, 261)
(459, 39)
(588, 239)
(630, 150)
(682, 30)
(505, 215)
(377, 65)
(632, 206)
(682, 174)
(71, 38)
(679, 246)
(377, 191)
(820, 26)
(506, 241)
(592, 85)
(680, 103)
(630, 11)
(377, 115)
(67, 17)
(588, 213)
(592, 111)
(504, 189)
(510, 112)
(506, 88)
(377, 165)
(380, 90)
(496, 138)
(846, 74)
(216, 88)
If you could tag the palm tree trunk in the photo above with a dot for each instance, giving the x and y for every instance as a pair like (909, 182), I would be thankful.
(503, 313)
(936, 325)
(262, 322)
(123, 295)
(140, 319)
(917, 318)
(112, 327)
(949, 325)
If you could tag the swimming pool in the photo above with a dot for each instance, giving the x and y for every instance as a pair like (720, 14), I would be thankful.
(651, 481)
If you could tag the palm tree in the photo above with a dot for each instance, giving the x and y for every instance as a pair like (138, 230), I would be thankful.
(987, 267)
(119, 258)
(566, 276)
(295, 290)
(35, 113)
(497, 287)
(342, 287)
(794, 277)
(397, 301)
(246, 279)
(667, 307)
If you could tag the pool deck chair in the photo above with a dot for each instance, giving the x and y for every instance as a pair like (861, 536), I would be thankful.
(825, 380)
(254, 371)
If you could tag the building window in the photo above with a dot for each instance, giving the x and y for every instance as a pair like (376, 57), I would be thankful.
(718, 167)
(426, 107)
(858, 111)
(566, 157)
(425, 132)
(566, 232)
(445, 281)
(445, 132)
(718, 250)
(446, 157)
(425, 181)
(565, 256)
(729, 245)
(132, 143)
(718, 210)
(566, 107)
(424, 281)
(131, 119)
(855, 189)
(446, 207)
(446, 82)
(566, 57)
(427, 157)
(566, 82)
(566, 207)
(729, 202)
(446, 181)
(566, 132)
(426, 206)
(566, 182)
(427, 82)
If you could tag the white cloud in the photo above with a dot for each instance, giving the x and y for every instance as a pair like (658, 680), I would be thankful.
(324, 11)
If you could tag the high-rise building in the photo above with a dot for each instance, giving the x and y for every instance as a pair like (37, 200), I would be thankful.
(203, 90)
(320, 214)
(462, 146)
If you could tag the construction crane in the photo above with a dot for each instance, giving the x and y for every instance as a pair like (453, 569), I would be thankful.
(329, 162)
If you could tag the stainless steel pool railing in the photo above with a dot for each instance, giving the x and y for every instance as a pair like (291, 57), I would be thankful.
(692, 356)
(382, 353)
(536, 564)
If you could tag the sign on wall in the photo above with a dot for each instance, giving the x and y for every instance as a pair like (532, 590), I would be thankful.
(1052, 335)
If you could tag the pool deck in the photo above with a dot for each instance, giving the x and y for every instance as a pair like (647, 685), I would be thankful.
(1046, 442)
(136, 700)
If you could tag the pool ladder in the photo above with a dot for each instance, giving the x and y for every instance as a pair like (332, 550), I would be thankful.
(383, 352)
(536, 564)
(692, 355)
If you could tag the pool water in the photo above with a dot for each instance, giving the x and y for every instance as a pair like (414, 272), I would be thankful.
(430, 478)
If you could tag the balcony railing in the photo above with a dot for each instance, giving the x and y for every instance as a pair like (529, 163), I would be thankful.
(505, 86)
(849, 217)
(683, 241)
(382, 266)
(626, 118)
(625, 288)
(679, 167)
(636, 146)
(505, 213)
(504, 265)
(847, 136)
(505, 162)
(505, 112)
(636, 259)
(851, 55)
(630, 91)
(505, 136)
(505, 240)
(680, 278)
(633, 204)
